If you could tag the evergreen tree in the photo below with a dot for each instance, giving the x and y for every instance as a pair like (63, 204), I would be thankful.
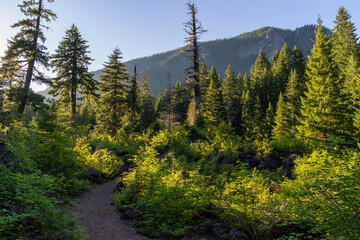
(246, 114)
(133, 104)
(256, 121)
(27, 46)
(275, 57)
(323, 110)
(261, 81)
(298, 62)
(70, 62)
(214, 106)
(292, 95)
(204, 77)
(113, 91)
(281, 70)
(268, 123)
(281, 128)
(232, 98)
(180, 100)
(345, 47)
(147, 102)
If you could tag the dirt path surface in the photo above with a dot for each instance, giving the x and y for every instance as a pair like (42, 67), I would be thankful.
(99, 218)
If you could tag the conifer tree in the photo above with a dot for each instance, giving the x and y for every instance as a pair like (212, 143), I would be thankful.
(268, 123)
(298, 62)
(323, 110)
(275, 57)
(180, 100)
(256, 121)
(281, 128)
(147, 102)
(345, 47)
(261, 81)
(133, 105)
(70, 62)
(27, 46)
(113, 91)
(232, 98)
(292, 95)
(214, 106)
(281, 70)
(204, 77)
(194, 29)
(246, 114)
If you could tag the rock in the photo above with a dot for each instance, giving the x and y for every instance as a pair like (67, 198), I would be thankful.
(236, 235)
(94, 176)
(219, 229)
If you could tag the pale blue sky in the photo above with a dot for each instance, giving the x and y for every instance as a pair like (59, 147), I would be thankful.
(144, 27)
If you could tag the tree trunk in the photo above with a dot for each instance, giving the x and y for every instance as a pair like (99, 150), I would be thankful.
(31, 64)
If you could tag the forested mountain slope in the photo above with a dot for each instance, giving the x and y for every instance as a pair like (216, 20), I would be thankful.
(240, 52)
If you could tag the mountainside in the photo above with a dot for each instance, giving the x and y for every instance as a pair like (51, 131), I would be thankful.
(240, 52)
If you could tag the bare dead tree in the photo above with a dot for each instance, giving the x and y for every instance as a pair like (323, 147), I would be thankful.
(194, 29)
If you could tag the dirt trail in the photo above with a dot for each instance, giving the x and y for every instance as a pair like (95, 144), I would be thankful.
(99, 218)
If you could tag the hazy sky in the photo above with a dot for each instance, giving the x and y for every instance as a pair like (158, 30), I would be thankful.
(144, 27)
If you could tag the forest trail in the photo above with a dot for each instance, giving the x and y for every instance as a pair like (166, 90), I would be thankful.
(99, 218)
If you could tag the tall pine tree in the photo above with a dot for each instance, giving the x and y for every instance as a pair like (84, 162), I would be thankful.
(232, 98)
(147, 102)
(214, 105)
(113, 92)
(133, 105)
(323, 107)
(71, 62)
(27, 46)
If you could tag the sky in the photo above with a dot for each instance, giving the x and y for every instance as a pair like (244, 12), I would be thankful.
(145, 27)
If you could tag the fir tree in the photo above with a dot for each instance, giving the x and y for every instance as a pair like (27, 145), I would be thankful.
(232, 98)
(345, 46)
(204, 77)
(268, 123)
(281, 128)
(256, 121)
(281, 70)
(261, 81)
(292, 95)
(133, 105)
(323, 110)
(147, 102)
(180, 100)
(214, 106)
(297, 61)
(27, 46)
(113, 91)
(70, 62)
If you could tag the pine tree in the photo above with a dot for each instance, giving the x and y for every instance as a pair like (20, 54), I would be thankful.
(204, 77)
(261, 81)
(345, 46)
(27, 46)
(194, 29)
(256, 121)
(268, 123)
(246, 114)
(147, 102)
(214, 106)
(113, 91)
(232, 98)
(281, 68)
(133, 104)
(70, 62)
(323, 111)
(298, 62)
(275, 57)
(292, 95)
(281, 128)
(180, 100)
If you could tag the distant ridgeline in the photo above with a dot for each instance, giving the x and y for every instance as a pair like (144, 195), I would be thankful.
(240, 52)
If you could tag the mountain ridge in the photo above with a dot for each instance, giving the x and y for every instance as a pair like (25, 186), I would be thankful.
(239, 51)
